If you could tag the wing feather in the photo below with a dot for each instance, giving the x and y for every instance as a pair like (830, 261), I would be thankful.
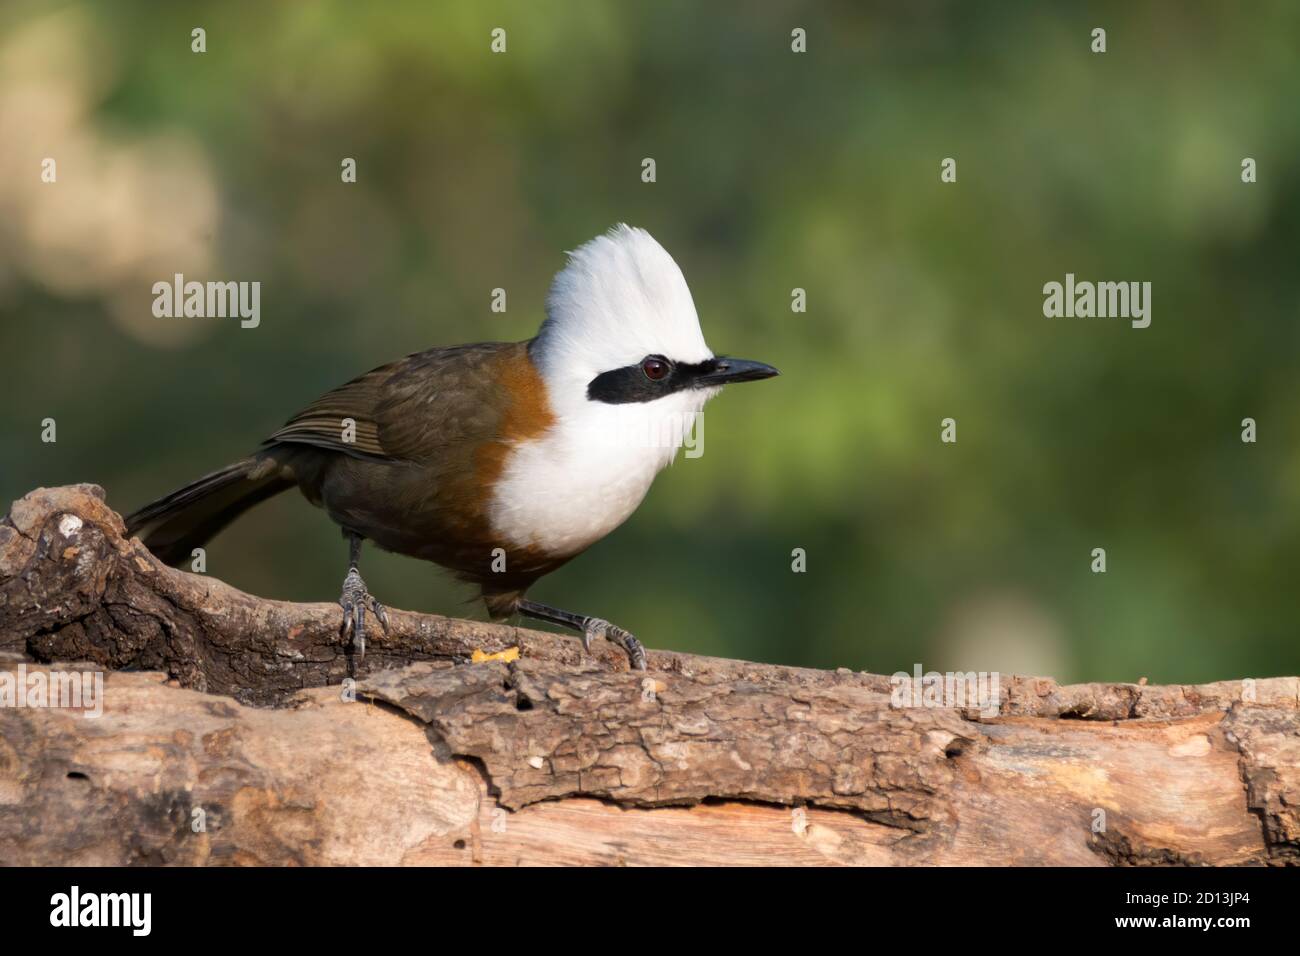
(411, 410)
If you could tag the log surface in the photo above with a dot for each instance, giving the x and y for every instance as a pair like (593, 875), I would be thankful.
(238, 730)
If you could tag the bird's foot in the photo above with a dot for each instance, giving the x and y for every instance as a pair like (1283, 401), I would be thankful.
(356, 601)
(612, 632)
(589, 627)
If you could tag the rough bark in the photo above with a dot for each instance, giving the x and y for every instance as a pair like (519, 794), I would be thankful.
(228, 704)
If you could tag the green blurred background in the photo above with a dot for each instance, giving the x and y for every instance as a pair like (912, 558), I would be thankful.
(775, 170)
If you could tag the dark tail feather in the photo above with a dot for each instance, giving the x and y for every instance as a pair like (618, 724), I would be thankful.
(173, 526)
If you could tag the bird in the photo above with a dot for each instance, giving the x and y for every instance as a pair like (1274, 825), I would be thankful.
(499, 461)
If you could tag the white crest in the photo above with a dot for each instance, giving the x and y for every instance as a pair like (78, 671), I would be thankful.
(620, 298)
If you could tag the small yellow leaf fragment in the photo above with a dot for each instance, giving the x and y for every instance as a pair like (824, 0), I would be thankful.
(509, 654)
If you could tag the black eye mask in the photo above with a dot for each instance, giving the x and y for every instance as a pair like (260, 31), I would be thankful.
(622, 386)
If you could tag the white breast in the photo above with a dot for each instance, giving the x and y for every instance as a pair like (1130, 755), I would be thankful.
(568, 488)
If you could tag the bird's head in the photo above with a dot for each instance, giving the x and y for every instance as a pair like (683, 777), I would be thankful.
(621, 333)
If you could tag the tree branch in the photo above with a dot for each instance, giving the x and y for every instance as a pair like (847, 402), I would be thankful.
(561, 757)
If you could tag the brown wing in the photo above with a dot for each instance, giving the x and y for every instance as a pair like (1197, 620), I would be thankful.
(413, 410)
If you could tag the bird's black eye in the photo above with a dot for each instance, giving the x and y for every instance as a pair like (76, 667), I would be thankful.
(656, 369)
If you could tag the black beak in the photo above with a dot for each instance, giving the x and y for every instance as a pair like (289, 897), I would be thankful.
(725, 370)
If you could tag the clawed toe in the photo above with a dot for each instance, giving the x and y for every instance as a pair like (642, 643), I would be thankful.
(596, 627)
(615, 634)
(589, 627)
(356, 601)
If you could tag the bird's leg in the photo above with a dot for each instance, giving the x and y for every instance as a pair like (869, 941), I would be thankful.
(356, 600)
(588, 627)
